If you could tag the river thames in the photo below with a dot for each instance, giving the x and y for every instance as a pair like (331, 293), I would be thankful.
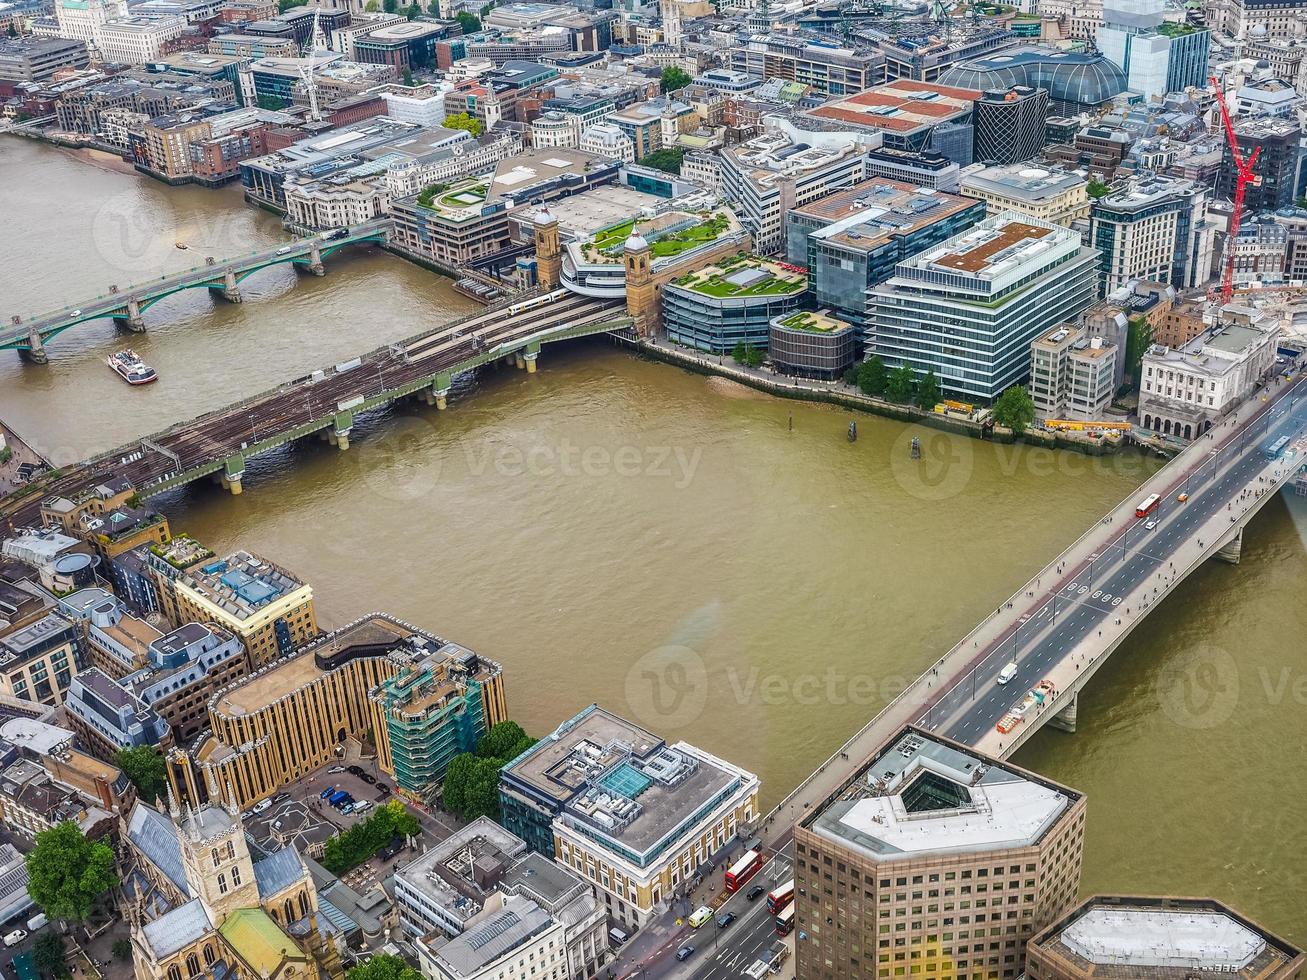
(573, 523)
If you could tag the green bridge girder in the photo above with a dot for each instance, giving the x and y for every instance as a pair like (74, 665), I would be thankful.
(440, 380)
(148, 299)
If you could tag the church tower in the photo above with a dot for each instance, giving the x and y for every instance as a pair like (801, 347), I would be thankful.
(641, 297)
(549, 253)
(215, 858)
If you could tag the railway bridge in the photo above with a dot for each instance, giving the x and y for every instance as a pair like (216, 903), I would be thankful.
(221, 277)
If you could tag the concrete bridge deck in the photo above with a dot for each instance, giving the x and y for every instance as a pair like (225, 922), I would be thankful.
(222, 277)
(218, 443)
(1062, 625)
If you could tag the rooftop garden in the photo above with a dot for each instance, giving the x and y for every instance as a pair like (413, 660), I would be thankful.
(611, 239)
(734, 279)
(813, 323)
(1169, 29)
(453, 197)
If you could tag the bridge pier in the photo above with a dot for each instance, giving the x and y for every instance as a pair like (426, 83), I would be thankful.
(232, 475)
(518, 360)
(1065, 719)
(338, 434)
(530, 354)
(1231, 551)
(35, 353)
(315, 265)
(133, 322)
(231, 292)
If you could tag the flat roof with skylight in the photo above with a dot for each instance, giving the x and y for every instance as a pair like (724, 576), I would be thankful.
(921, 795)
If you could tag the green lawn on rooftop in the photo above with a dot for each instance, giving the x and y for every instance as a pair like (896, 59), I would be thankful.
(721, 289)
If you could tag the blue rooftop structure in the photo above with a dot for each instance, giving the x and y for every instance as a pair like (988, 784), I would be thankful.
(1074, 80)
(156, 837)
(278, 871)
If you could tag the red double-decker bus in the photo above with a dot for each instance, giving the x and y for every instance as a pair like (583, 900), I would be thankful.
(1148, 505)
(781, 897)
(742, 870)
(785, 920)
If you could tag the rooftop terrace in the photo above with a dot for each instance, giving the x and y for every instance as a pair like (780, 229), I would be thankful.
(743, 277)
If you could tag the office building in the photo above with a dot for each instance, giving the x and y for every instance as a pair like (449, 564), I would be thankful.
(1156, 228)
(904, 112)
(936, 857)
(1185, 390)
(109, 717)
(82, 19)
(117, 641)
(1072, 375)
(969, 308)
(39, 659)
(830, 68)
(927, 169)
(1009, 125)
(36, 59)
(1280, 165)
(812, 344)
(288, 718)
(136, 40)
(630, 813)
(772, 174)
(405, 46)
(1156, 56)
(1075, 81)
(183, 670)
(730, 302)
(460, 222)
(1267, 19)
(466, 880)
(247, 46)
(1194, 938)
(1058, 196)
(854, 238)
(267, 607)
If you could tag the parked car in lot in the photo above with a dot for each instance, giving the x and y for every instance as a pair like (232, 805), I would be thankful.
(260, 806)
(326, 793)
(335, 769)
(15, 937)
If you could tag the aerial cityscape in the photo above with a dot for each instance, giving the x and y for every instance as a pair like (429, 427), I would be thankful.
(671, 489)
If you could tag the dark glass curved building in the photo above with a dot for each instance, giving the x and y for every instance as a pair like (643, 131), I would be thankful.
(1075, 81)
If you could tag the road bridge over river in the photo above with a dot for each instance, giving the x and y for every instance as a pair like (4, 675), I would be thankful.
(1061, 626)
(222, 277)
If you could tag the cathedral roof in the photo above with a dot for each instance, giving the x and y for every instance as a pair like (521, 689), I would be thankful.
(258, 940)
(177, 929)
(155, 836)
(278, 871)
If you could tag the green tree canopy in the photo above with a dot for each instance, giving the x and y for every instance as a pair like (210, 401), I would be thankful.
(411, 11)
(383, 967)
(674, 78)
(285, 5)
(469, 21)
(1097, 188)
(390, 6)
(748, 355)
(270, 102)
(928, 391)
(872, 376)
(48, 954)
(352, 847)
(122, 949)
(504, 742)
(668, 160)
(1139, 335)
(899, 385)
(471, 787)
(1015, 409)
(68, 872)
(462, 120)
(145, 767)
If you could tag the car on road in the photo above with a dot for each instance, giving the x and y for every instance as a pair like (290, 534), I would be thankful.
(1007, 673)
(1148, 526)
(75, 313)
(283, 250)
(18, 935)
(754, 893)
(725, 919)
(684, 953)
(701, 915)
(1183, 497)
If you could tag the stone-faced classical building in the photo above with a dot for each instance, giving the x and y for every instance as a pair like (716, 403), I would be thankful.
(200, 905)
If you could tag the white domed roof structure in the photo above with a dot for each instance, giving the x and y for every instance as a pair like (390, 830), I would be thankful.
(636, 242)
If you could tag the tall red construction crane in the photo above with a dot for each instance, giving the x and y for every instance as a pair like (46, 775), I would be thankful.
(1243, 176)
